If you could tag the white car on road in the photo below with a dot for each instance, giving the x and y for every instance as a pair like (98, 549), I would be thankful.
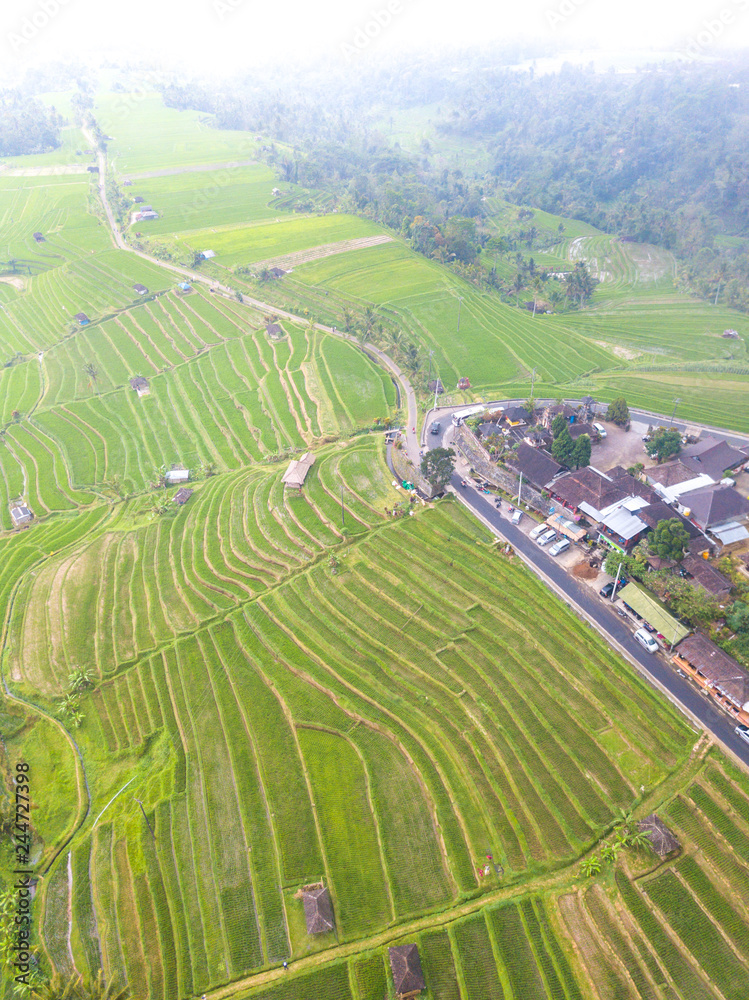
(646, 640)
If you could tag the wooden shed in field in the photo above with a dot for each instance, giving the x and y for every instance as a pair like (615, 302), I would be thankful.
(182, 495)
(20, 514)
(662, 840)
(318, 910)
(140, 385)
(297, 471)
(405, 964)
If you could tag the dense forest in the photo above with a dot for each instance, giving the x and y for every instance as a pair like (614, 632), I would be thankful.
(26, 125)
(657, 156)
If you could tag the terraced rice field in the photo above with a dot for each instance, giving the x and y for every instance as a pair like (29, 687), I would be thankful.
(220, 391)
(288, 687)
(381, 737)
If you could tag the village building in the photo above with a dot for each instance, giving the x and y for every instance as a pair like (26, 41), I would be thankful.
(712, 456)
(140, 385)
(566, 527)
(405, 964)
(662, 840)
(207, 254)
(184, 286)
(177, 474)
(579, 427)
(610, 500)
(705, 577)
(20, 514)
(39, 237)
(554, 410)
(82, 319)
(297, 471)
(274, 331)
(672, 480)
(182, 495)
(139, 199)
(318, 910)
(536, 465)
(517, 416)
(647, 607)
(140, 289)
(717, 672)
(276, 272)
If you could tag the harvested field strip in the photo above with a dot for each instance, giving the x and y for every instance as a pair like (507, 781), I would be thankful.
(349, 830)
(700, 936)
(293, 260)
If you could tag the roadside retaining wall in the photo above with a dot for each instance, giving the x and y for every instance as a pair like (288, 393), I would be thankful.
(478, 457)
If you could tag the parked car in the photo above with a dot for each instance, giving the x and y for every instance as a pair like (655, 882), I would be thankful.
(538, 530)
(601, 430)
(548, 536)
(646, 640)
(516, 516)
(435, 428)
(742, 731)
(608, 588)
(558, 547)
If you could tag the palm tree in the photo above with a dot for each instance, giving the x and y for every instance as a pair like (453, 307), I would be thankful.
(93, 373)
(639, 840)
(79, 678)
(591, 866)
(159, 508)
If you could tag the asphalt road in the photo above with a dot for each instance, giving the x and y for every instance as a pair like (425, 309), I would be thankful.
(608, 623)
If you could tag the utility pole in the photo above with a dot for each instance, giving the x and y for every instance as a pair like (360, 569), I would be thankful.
(520, 487)
(673, 412)
(146, 818)
(616, 584)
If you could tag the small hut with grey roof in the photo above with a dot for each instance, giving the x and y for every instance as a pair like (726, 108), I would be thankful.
(318, 910)
(408, 979)
(662, 840)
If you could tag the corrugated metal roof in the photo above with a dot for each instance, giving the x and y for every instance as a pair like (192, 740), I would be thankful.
(651, 609)
(729, 533)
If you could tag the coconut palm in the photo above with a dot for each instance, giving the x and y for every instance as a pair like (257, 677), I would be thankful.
(93, 374)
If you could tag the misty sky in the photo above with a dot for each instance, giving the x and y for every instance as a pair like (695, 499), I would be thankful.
(227, 34)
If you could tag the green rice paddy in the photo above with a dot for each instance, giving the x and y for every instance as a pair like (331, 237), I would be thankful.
(289, 687)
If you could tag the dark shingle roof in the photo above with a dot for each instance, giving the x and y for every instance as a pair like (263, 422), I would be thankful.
(138, 382)
(705, 575)
(723, 672)
(671, 474)
(712, 456)
(661, 511)
(662, 839)
(716, 505)
(182, 495)
(406, 968)
(537, 465)
(516, 413)
(318, 910)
